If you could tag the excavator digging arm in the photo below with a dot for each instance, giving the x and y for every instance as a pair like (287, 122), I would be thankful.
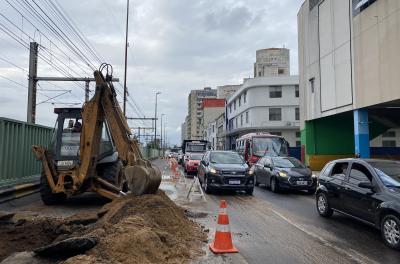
(138, 174)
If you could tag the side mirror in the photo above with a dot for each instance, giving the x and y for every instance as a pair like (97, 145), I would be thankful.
(366, 185)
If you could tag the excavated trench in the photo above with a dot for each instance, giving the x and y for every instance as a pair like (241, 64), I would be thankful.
(144, 229)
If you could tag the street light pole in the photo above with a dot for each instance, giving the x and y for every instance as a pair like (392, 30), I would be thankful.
(161, 133)
(155, 122)
(126, 56)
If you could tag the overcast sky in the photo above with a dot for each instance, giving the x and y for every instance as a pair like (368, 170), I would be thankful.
(175, 46)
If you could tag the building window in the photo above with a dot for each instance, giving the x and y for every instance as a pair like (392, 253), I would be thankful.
(236, 121)
(297, 114)
(296, 91)
(244, 97)
(259, 74)
(312, 83)
(240, 100)
(298, 134)
(389, 134)
(230, 108)
(213, 128)
(241, 120)
(388, 143)
(281, 71)
(247, 117)
(234, 105)
(298, 143)
(277, 133)
(275, 91)
(275, 114)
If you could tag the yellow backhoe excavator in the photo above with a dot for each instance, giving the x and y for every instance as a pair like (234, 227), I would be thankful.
(92, 150)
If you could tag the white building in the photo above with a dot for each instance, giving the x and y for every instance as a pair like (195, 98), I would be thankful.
(272, 62)
(349, 79)
(265, 104)
(211, 132)
(225, 91)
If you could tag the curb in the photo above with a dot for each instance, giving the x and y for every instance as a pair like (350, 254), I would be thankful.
(18, 191)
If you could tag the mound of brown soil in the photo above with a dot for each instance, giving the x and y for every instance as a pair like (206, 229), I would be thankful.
(144, 229)
(26, 234)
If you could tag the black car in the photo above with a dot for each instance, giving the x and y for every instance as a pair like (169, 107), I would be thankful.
(225, 170)
(365, 189)
(287, 173)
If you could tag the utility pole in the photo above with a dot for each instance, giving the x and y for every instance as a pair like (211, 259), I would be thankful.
(165, 138)
(32, 83)
(155, 121)
(126, 54)
(87, 91)
(161, 132)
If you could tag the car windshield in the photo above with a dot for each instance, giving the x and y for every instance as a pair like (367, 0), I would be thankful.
(225, 158)
(287, 163)
(271, 146)
(388, 172)
(196, 156)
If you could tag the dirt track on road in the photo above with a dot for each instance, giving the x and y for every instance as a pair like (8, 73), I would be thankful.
(145, 229)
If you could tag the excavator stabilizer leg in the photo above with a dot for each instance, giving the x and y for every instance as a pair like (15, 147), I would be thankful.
(143, 178)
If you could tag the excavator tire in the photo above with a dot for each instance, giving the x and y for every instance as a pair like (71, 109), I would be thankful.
(47, 195)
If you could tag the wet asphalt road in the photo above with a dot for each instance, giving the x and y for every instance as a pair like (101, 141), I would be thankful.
(267, 227)
(286, 228)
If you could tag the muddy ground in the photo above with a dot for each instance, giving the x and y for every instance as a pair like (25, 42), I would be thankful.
(145, 229)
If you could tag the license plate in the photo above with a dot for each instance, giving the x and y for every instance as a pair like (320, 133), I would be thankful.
(234, 182)
(301, 182)
(65, 163)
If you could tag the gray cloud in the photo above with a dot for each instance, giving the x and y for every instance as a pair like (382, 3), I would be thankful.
(175, 46)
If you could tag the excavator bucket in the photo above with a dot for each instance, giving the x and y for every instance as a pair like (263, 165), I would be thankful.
(142, 178)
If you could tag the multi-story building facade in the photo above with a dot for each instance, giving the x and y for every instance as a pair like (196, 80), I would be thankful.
(212, 108)
(225, 91)
(183, 131)
(268, 104)
(194, 119)
(220, 123)
(349, 82)
(272, 62)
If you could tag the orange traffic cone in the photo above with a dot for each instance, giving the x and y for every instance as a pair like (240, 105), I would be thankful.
(223, 238)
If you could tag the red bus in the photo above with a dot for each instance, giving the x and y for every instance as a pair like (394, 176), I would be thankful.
(253, 146)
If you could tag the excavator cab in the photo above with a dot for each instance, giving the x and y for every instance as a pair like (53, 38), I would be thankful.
(65, 143)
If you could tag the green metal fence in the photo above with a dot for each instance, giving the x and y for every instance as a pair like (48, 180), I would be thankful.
(17, 162)
(150, 153)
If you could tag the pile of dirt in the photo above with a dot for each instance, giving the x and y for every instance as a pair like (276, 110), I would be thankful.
(144, 229)
(26, 234)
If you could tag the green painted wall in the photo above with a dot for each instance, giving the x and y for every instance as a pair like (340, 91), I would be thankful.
(332, 135)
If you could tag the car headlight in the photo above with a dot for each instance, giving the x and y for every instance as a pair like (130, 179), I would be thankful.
(283, 174)
(213, 171)
(313, 176)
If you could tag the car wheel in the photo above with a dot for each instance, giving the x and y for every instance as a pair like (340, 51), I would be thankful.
(250, 191)
(323, 205)
(274, 185)
(256, 183)
(390, 229)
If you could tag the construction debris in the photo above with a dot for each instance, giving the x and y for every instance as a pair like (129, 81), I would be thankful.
(144, 229)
